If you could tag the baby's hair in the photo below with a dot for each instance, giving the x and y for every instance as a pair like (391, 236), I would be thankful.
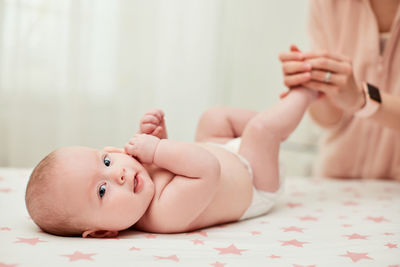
(44, 212)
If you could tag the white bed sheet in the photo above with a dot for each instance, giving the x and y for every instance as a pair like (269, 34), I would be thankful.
(317, 222)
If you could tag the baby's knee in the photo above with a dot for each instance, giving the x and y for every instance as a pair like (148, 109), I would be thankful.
(213, 112)
(212, 117)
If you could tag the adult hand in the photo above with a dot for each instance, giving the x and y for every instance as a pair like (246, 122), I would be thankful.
(310, 70)
(333, 75)
(295, 70)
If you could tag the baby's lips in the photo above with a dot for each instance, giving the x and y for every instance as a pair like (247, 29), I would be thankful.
(139, 184)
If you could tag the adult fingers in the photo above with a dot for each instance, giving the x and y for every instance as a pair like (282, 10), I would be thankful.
(333, 78)
(291, 67)
(328, 64)
(333, 56)
(328, 89)
(296, 79)
(294, 48)
(285, 56)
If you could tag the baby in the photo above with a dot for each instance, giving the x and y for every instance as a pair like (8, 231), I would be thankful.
(163, 186)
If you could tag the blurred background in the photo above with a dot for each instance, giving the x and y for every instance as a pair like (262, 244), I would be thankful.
(83, 72)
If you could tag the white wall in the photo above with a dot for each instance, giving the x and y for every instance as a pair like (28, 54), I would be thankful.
(83, 72)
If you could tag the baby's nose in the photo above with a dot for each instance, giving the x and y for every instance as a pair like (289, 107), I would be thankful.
(121, 177)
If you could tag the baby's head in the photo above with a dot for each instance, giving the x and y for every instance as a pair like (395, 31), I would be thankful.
(88, 192)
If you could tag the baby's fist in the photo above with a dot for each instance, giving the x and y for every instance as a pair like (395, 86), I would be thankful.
(142, 147)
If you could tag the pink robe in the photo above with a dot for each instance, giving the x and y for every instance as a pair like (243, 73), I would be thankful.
(357, 147)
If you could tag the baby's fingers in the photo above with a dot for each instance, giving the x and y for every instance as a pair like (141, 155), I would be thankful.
(130, 149)
(157, 131)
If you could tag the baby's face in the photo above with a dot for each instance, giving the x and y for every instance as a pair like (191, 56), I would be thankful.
(105, 190)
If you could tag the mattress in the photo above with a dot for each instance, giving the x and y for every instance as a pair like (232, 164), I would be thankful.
(316, 222)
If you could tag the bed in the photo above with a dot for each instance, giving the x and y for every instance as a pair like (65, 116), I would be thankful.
(317, 222)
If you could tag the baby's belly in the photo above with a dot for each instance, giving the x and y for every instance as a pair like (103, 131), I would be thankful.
(234, 193)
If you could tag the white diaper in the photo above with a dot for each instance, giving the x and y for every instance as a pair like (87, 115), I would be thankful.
(262, 201)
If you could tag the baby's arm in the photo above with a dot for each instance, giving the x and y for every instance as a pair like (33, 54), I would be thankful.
(190, 191)
(153, 123)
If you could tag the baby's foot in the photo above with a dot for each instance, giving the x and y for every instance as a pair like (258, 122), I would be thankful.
(153, 123)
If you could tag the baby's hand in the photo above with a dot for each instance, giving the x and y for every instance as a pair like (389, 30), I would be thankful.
(142, 147)
(153, 123)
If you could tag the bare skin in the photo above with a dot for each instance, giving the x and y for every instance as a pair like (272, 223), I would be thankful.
(261, 135)
(343, 94)
(159, 185)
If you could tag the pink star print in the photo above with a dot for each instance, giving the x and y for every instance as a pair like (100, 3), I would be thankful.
(172, 258)
(5, 229)
(293, 242)
(390, 245)
(294, 205)
(377, 219)
(198, 232)
(218, 264)
(134, 248)
(308, 218)
(7, 265)
(274, 256)
(293, 229)
(150, 236)
(350, 203)
(256, 233)
(5, 190)
(230, 250)
(356, 256)
(77, 255)
(356, 236)
(30, 241)
(198, 241)
(388, 234)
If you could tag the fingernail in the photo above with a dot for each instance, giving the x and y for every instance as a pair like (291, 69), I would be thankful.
(307, 66)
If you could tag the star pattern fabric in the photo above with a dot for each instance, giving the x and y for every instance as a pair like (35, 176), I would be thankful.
(77, 255)
(171, 257)
(356, 236)
(232, 249)
(356, 256)
(30, 241)
(349, 223)
(293, 242)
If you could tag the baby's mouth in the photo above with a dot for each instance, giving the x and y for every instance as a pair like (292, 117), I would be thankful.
(135, 182)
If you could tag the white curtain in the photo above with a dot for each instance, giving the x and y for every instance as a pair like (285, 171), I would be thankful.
(83, 72)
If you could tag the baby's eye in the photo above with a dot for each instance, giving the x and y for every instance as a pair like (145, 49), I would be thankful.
(102, 190)
(107, 161)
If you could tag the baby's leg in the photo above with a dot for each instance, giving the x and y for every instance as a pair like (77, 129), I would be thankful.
(262, 136)
(221, 124)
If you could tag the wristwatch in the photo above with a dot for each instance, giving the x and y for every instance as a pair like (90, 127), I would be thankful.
(372, 100)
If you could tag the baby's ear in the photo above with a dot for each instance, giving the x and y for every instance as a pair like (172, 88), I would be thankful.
(111, 149)
(99, 233)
